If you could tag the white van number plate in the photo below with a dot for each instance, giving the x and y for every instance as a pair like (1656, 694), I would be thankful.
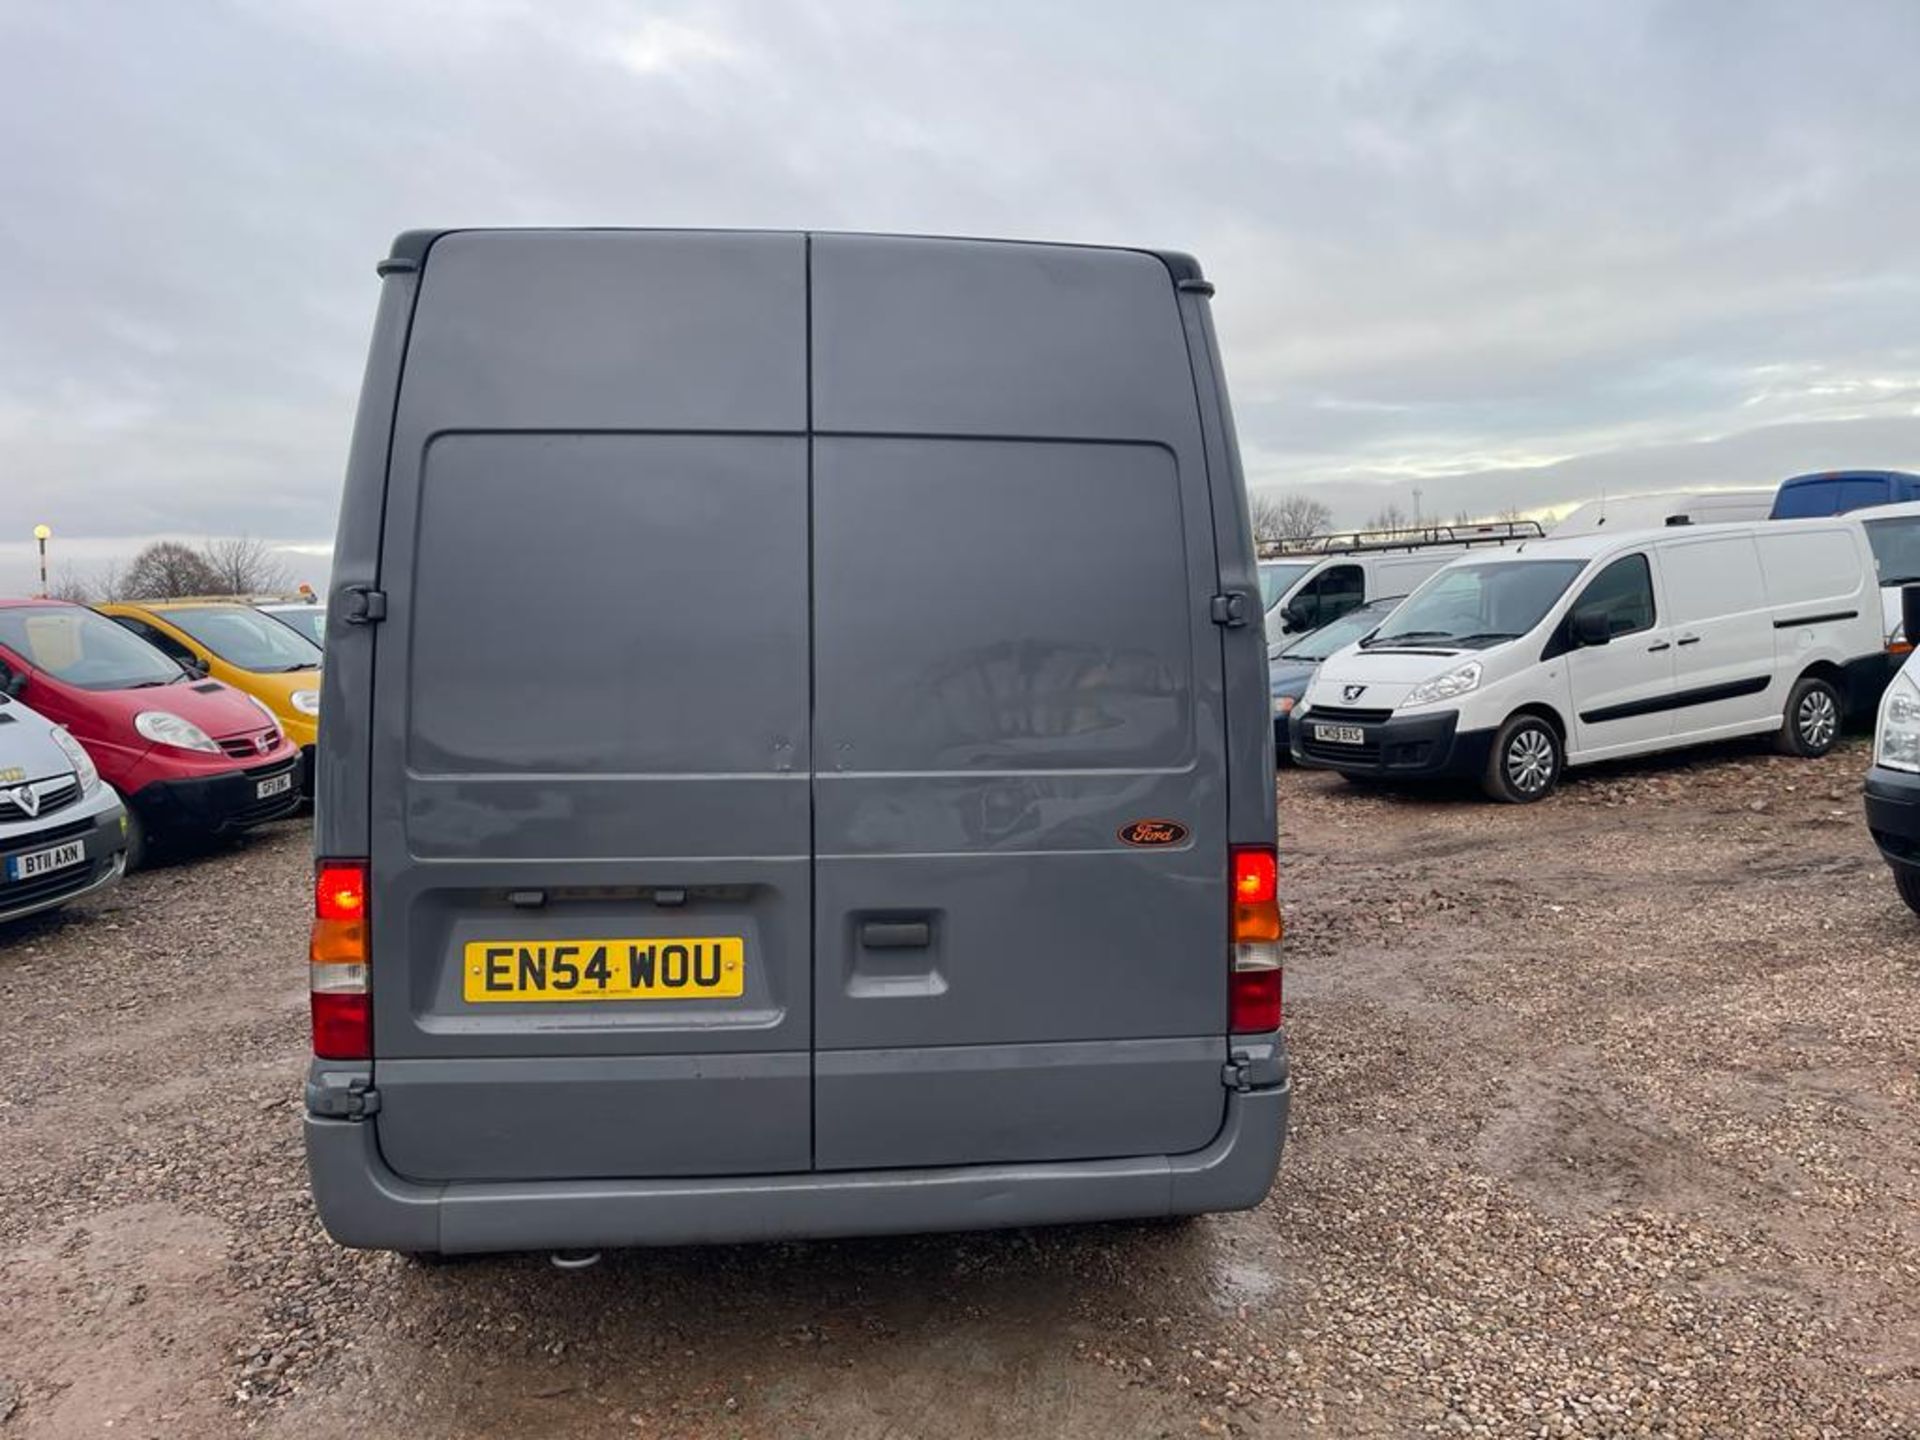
(274, 785)
(45, 862)
(1340, 734)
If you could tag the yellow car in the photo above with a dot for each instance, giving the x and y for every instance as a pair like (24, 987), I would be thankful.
(233, 642)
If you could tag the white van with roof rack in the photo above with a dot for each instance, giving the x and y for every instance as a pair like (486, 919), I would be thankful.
(1307, 583)
(1511, 665)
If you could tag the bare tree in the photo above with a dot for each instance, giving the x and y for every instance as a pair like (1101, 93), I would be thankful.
(110, 581)
(166, 570)
(1390, 518)
(243, 566)
(70, 584)
(1264, 508)
(1302, 516)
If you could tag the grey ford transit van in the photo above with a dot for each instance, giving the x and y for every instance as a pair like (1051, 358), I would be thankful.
(797, 758)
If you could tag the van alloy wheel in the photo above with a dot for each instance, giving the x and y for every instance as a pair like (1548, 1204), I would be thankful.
(1818, 718)
(1530, 761)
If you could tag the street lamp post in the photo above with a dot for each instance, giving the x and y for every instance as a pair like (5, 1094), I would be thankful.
(43, 533)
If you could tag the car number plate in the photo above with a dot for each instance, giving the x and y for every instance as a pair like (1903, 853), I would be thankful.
(274, 785)
(660, 967)
(45, 862)
(1340, 734)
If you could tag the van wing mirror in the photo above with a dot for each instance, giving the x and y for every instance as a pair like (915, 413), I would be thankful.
(1591, 626)
(1295, 615)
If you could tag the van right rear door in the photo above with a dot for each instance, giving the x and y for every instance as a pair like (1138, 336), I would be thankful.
(1014, 667)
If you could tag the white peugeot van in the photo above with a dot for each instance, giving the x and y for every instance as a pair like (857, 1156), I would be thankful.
(1511, 665)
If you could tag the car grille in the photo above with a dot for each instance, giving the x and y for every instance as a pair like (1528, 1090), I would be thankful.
(54, 795)
(1343, 715)
(18, 894)
(246, 747)
(48, 887)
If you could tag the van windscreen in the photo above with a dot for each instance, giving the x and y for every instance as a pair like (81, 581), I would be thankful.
(1276, 576)
(1896, 549)
(83, 649)
(1480, 603)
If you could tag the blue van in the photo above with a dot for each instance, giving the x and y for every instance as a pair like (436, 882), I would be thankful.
(1835, 492)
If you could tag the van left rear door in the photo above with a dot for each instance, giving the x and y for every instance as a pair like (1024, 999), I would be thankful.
(590, 722)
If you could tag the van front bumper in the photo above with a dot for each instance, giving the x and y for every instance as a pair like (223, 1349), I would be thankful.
(363, 1203)
(1411, 746)
(218, 804)
(101, 822)
(1893, 815)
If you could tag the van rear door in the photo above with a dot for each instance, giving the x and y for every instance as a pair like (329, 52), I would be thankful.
(590, 730)
(1020, 788)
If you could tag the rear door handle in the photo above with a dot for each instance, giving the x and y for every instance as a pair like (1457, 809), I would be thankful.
(1689, 639)
(896, 934)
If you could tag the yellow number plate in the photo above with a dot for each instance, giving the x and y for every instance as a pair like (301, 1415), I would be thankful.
(670, 967)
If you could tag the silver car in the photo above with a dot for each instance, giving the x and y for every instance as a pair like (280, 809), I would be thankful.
(63, 831)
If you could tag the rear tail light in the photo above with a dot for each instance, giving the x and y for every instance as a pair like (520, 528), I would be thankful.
(1253, 987)
(337, 962)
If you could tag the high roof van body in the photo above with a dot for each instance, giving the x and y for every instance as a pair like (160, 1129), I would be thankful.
(1511, 665)
(797, 756)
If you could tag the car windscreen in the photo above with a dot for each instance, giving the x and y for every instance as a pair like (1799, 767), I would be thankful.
(309, 620)
(1276, 576)
(1319, 644)
(81, 648)
(242, 636)
(1479, 603)
(1896, 549)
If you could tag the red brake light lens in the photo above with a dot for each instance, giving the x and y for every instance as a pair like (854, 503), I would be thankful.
(1256, 875)
(340, 890)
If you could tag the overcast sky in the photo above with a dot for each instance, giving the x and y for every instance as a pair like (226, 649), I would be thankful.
(1511, 254)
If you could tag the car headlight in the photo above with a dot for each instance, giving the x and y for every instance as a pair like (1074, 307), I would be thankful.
(1896, 741)
(1457, 681)
(83, 767)
(163, 727)
(307, 702)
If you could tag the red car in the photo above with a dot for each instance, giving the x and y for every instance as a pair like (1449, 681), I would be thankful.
(190, 756)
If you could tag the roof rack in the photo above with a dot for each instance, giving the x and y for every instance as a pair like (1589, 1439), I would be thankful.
(1351, 542)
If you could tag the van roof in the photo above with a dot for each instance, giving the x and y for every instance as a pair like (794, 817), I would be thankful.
(1895, 511)
(1600, 543)
(409, 248)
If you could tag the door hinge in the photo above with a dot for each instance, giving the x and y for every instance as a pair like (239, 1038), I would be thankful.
(1231, 609)
(365, 605)
(342, 1097)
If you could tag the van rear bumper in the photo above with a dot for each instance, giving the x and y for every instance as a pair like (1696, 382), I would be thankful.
(363, 1203)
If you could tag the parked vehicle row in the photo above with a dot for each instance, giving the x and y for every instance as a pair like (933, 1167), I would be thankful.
(1511, 665)
(191, 753)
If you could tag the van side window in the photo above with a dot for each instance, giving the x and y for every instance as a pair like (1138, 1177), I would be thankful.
(1331, 594)
(1624, 590)
(158, 638)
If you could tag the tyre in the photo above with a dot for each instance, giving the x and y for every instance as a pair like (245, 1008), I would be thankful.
(1907, 882)
(1525, 762)
(136, 840)
(1811, 725)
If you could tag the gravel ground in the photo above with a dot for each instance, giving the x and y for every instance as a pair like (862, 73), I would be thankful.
(1605, 1126)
